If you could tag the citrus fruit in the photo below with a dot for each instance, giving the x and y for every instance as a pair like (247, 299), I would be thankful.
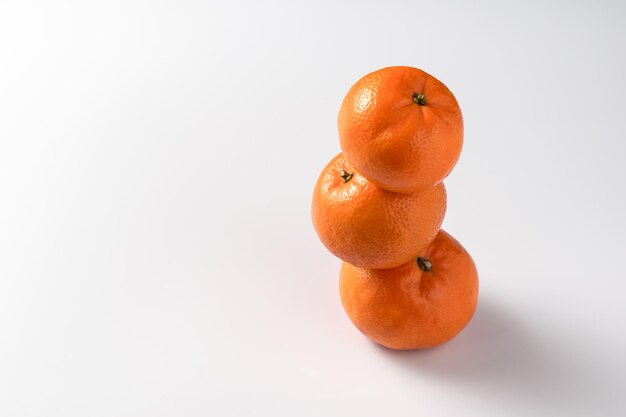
(401, 128)
(420, 304)
(368, 226)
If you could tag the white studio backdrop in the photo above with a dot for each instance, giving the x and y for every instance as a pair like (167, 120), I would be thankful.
(157, 161)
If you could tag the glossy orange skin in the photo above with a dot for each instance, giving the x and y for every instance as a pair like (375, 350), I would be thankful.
(408, 308)
(370, 227)
(393, 141)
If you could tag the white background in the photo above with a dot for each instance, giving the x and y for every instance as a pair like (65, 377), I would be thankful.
(157, 160)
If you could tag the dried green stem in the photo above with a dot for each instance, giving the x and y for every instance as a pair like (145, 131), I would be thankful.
(425, 264)
(345, 175)
(419, 98)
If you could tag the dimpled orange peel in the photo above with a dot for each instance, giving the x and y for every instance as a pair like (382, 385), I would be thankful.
(379, 206)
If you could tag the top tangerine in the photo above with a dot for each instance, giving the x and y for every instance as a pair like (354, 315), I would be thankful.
(401, 128)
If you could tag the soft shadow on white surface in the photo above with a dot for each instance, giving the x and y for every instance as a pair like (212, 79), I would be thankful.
(499, 358)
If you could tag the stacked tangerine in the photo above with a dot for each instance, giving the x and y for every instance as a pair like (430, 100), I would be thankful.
(379, 206)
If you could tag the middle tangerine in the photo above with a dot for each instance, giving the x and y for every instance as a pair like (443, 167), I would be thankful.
(368, 226)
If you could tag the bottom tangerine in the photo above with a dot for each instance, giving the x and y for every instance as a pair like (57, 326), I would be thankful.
(419, 304)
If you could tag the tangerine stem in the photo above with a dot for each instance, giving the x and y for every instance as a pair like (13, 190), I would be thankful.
(425, 264)
(419, 98)
(346, 176)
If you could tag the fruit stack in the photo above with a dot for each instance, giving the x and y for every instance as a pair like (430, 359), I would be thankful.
(379, 205)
